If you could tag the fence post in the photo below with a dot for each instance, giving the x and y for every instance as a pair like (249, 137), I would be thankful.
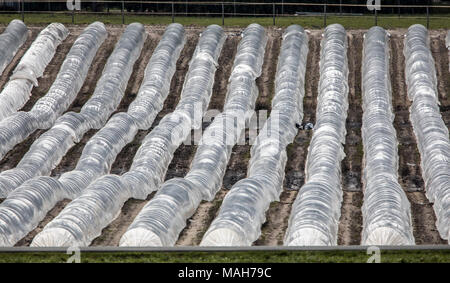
(398, 9)
(273, 12)
(376, 17)
(123, 11)
(325, 14)
(223, 14)
(73, 15)
(428, 16)
(173, 16)
(23, 10)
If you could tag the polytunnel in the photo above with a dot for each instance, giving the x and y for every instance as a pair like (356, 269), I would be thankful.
(386, 209)
(243, 210)
(46, 152)
(70, 184)
(31, 67)
(315, 213)
(430, 130)
(12, 38)
(162, 219)
(63, 91)
(84, 218)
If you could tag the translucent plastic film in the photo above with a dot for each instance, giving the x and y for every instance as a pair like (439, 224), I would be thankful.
(447, 44)
(101, 202)
(31, 67)
(447, 40)
(386, 209)
(51, 146)
(47, 151)
(102, 149)
(157, 77)
(431, 133)
(12, 38)
(243, 210)
(162, 219)
(316, 210)
(63, 91)
(156, 152)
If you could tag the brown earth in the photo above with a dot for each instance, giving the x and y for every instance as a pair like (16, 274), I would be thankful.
(278, 214)
(350, 224)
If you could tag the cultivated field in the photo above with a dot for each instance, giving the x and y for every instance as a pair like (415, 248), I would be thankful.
(273, 231)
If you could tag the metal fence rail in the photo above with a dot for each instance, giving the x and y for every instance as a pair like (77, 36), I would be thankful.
(224, 249)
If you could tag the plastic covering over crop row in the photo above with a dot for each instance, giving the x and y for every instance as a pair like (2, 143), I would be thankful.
(63, 91)
(102, 149)
(72, 183)
(431, 133)
(162, 219)
(243, 209)
(12, 38)
(316, 210)
(84, 218)
(386, 209)
(31, 67)
(50, 147)
(46, 152)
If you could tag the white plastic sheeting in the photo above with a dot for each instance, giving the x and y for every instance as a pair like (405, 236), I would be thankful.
(31, 67)
(11, 40)
(102, 149)
(63, 91)
(84, 218)
(46, 151)
(447, 40)
(317, 208)
(386, 209)
(244, 207)
(431, 133)
(162, 219)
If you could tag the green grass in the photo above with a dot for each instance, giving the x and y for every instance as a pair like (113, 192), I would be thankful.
(420, 256)
(354, 22)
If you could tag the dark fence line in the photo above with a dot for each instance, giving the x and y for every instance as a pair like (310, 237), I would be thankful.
(221, 9)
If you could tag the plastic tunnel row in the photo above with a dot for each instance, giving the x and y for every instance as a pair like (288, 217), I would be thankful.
(162, 219)
(243, 210)
(96, 151)
(98, 196)
(32, 65)
(63, 91)
(45, 153)
(101, 202)
(431, 133)
(11, 40)
(316, 210)
(386, 209)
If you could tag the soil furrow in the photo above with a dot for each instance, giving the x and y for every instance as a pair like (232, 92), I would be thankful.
(350, 223)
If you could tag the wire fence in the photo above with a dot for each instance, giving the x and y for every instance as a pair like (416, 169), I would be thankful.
(225, 10)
